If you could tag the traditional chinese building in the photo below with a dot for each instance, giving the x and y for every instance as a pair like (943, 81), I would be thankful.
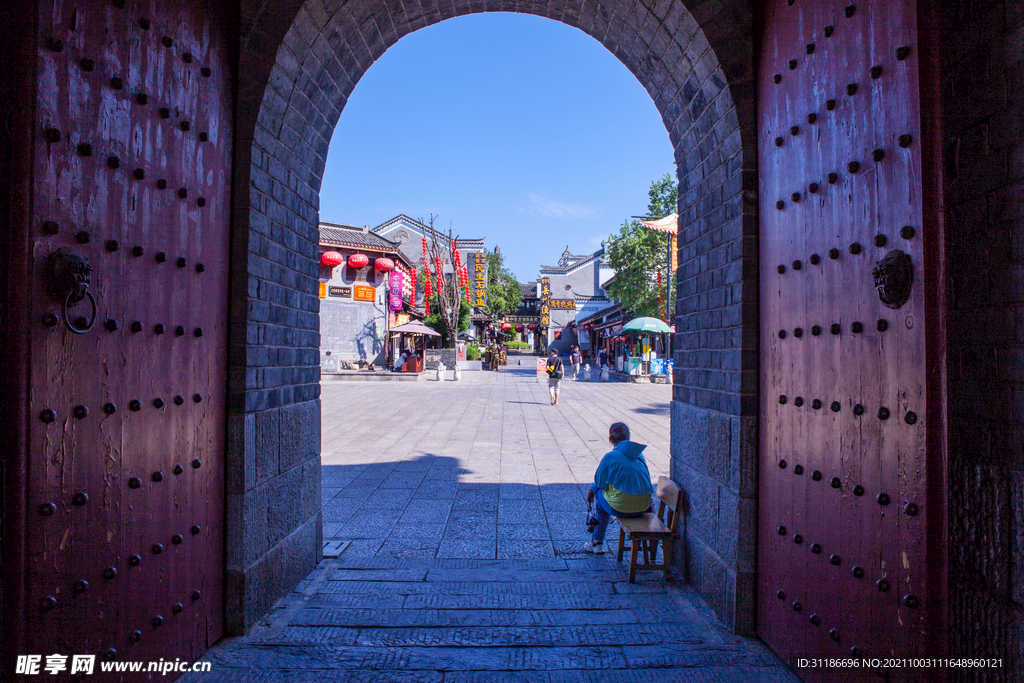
(358, 271)
(567, 291)
(408, 234)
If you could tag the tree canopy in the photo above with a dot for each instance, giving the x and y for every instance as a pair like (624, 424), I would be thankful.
(437, 322)
(638, 254)
(664, 196)
(504, 293)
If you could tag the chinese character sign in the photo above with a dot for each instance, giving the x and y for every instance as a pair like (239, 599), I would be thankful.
(480, 279)
(545, 302)
(395, 291)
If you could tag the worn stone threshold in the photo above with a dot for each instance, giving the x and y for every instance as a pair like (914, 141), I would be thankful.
(484, 621)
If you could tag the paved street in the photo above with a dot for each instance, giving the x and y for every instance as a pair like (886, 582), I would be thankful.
(464, 505)
(435, 470)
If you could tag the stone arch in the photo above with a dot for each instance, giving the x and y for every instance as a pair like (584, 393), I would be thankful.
(299, 61)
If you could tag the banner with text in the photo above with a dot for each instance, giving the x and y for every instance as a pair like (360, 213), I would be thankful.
(396, 290)
(479, 283)
(545, 302)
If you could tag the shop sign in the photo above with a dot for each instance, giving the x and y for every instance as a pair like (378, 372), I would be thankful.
(545, 302)
(395, 287)
(365, 293)
(479, 294)
(323, 290)
(401, 319)
(563, 304)
(344, 292)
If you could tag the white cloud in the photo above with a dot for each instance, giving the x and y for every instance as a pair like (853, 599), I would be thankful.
(552, 208)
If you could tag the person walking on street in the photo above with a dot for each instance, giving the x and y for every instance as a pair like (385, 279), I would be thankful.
(622, 484)
(576, 358)
(554, 370)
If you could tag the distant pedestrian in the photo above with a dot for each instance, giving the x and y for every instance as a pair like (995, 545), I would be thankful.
(622, 484)
(602, 357)
(576, 358)
(554, 369)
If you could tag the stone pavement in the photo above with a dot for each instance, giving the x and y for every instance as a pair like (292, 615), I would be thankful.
(437, 469)
(464, 507)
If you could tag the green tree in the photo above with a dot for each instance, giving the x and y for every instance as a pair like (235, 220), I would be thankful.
(504, 293)
(638, 254)
(664, 196)
(436, 322)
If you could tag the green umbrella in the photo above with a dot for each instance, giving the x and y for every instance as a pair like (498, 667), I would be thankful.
(646, 325)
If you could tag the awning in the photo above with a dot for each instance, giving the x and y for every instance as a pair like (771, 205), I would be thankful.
(669, 224)
(600, 314)
(415, 327)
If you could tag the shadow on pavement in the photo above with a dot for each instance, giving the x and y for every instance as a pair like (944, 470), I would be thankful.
(430, 507)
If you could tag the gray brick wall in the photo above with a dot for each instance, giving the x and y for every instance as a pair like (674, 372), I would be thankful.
(714, 414)
(982, 102)
(300, 62)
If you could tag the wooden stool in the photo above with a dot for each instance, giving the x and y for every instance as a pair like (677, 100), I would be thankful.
(647, 530)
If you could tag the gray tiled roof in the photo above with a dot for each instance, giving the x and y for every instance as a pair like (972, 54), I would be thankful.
(570, 262)
(350, 236)
(427, 230)
(529, 290)
(600, 314)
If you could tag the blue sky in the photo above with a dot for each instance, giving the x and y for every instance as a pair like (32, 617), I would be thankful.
(511, 127)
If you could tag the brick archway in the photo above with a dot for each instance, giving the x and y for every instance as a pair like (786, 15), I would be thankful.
(299, 62)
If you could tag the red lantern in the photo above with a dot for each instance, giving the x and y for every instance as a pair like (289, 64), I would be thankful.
(331, 258)
(383, 265)
(532, 326)
(506, 326)
(358, 260)
(412, 297)
(519, 327)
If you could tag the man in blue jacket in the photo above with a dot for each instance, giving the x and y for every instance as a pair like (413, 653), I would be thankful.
(622, 484)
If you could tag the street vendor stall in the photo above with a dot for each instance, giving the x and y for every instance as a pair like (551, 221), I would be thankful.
(643, 360)
(422, 332)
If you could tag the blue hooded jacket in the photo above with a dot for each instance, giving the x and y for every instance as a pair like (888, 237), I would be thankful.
(624, 469)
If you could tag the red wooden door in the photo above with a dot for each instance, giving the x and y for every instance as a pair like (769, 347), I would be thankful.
(122, 514)
(845, 452)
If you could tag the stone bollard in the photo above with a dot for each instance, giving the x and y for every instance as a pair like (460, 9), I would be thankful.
(440, 372)
(605, 374)
(586, 373)
(457, 375)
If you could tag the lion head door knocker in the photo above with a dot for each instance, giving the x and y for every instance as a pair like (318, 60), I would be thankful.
(893, 277)
(70, 276)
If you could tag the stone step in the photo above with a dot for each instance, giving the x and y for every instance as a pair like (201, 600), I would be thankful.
(701, 675)
(582, 588)
(485, 600)
(356, 617)
(709, 674)
(578, 635)
(583, 658)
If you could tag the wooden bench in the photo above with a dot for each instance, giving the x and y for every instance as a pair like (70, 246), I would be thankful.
(648, 530)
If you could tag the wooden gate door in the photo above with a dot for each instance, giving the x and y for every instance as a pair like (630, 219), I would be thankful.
(849, 418)
(118, 520)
